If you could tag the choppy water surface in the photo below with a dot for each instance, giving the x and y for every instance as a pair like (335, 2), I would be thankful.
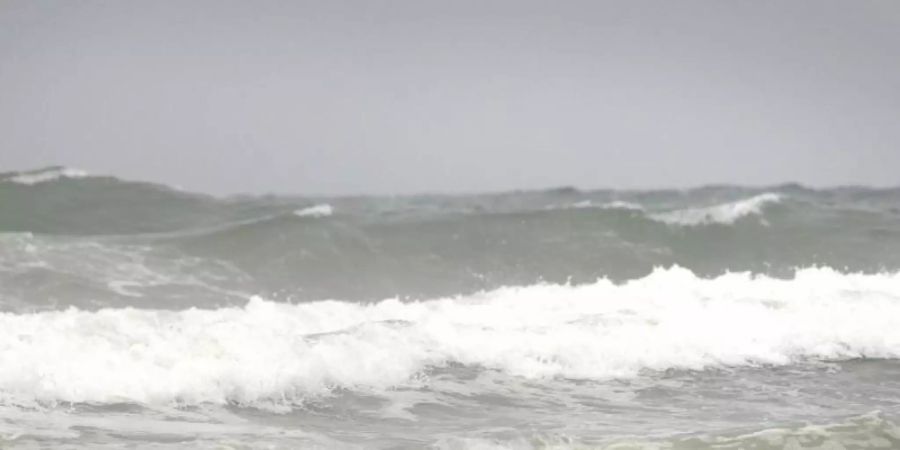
(135, 315)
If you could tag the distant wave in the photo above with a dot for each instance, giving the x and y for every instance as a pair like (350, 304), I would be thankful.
(61, 200)
(317, 211)
(616, 204)
(726, 213)
(589, 204)
(269, 351)
(43, 175)
(723, 214)
(619, 204)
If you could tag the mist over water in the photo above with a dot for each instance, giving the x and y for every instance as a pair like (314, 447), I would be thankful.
(714, 317)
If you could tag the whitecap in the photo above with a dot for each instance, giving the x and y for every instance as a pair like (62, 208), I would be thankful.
(265, 351)
(616, 204)
(725, 213)
(317, 211)
(47, 175)
(620, 204)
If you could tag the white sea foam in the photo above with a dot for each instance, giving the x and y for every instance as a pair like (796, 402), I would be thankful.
(582, 204)
(620, 204)
(322, 210)
(43, 176)
(616, 204)
(269, 351)
(726, 213)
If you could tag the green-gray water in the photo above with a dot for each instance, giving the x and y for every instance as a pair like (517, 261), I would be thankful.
(136, 315)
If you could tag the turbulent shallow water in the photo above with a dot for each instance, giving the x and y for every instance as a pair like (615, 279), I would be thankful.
(136, 315)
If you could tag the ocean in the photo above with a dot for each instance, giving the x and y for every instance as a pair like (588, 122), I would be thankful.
(136, 315)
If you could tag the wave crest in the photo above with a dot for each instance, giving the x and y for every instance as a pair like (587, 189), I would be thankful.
(267, 350)
(725, 213)
(45, 175)
(316, 211)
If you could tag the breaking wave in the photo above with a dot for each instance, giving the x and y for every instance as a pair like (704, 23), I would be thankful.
(725, 214)
(83, 229)
(45, 175)
(317, 211)
(268, 351)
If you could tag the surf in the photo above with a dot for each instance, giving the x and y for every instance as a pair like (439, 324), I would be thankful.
(265, 350)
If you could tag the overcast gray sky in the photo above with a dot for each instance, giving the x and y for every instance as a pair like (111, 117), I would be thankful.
(411, 96)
